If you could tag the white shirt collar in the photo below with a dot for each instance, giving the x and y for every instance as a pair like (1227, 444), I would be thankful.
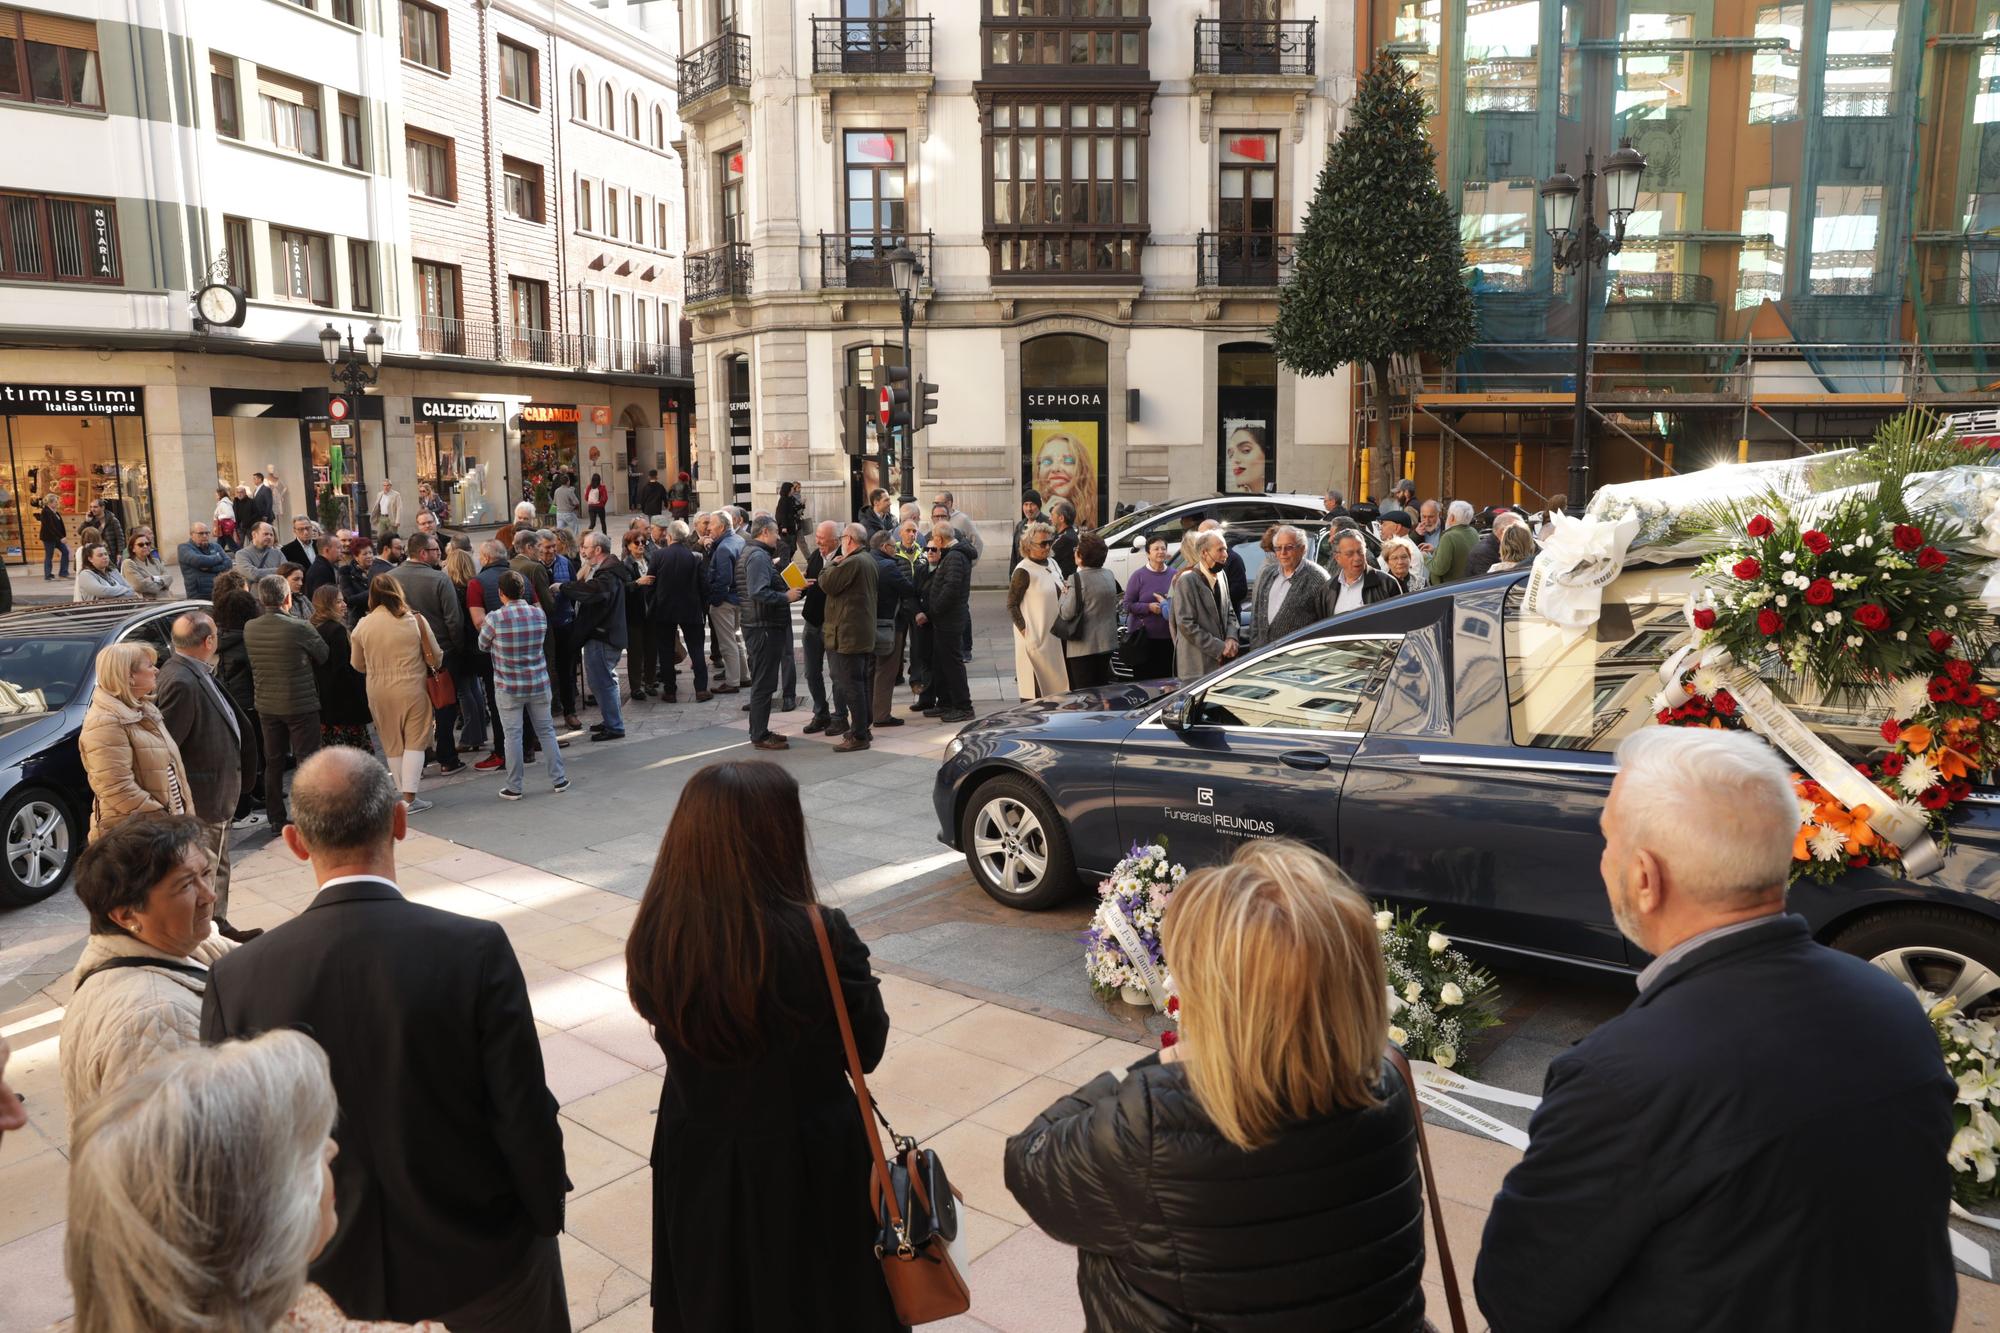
(357, 879)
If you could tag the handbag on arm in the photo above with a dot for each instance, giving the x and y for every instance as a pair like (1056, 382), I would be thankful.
(915, 1207)
(1452, 1298)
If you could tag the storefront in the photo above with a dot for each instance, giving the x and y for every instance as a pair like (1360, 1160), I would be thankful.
(1065, 423)
(548, 447)
(460, 443)
(77, 444)
(295, 432)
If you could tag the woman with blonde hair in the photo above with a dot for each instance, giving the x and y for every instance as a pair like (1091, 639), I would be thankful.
(1400, 561)
(393, 647)
(201, 1188)
(1267, 1161)
(1034, 600)
(132, 763)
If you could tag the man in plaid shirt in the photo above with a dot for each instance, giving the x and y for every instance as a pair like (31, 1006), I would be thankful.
(514, 637)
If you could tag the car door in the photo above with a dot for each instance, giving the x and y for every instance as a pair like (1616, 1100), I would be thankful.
(1255, 750)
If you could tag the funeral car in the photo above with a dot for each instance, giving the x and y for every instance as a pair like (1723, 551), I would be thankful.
(1451, 751)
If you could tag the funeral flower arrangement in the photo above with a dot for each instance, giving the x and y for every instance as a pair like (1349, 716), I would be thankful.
(1438, 998)
(1137, 891)
(1969, 1047)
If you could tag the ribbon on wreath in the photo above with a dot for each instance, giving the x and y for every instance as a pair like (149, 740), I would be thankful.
(1770, 718)
(1135, 951)
(1578, 560)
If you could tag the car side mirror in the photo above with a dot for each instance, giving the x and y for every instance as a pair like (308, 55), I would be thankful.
(1175, 715)
(1139, 544)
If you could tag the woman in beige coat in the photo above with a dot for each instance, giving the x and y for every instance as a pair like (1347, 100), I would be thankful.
(133, 765)
(393, 648)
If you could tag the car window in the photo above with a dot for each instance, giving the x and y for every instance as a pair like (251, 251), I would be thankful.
(41, 675)
(1591, 691)
(158, 632)
(1320, 686)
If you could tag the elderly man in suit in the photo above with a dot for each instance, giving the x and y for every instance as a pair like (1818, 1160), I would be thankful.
(217, 740)
(1204, 623)
(1291, 591)
(1675, 1174)
(449, 1181)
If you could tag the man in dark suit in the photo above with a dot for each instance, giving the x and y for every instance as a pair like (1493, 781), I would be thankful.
(676, 606)
(1487, 549)
(217, 742)
(324, 571)
(450, 1176)
(1759, 1141)
(299, 550)
(1353, 584)
(1062, 514)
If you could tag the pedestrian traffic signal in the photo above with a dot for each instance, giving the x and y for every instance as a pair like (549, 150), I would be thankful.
(927, 399)
(853, 420)
(896, 398)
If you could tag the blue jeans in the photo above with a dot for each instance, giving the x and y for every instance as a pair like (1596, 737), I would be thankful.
(600, 668)
(49, 559)
(471, 707)
(536, 707)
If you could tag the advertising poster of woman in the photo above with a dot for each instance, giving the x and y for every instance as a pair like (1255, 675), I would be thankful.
(1249, 457)
(1066, 463)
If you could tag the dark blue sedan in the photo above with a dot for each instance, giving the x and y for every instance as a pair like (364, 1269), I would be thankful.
(1449, 752)
(48, 671)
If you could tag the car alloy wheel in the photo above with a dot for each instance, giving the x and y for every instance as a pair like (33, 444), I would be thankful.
(38, 844)
(1011, 846)
(1947, 974)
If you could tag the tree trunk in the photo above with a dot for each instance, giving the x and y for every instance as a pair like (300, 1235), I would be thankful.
(1385, 435)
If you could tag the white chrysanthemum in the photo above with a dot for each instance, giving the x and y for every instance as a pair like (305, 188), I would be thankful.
(1909, 697)
(1660, 703)
(1911, 810)
(1707, 681)
(1919, 775)
(1808, 811)
(1827, 844)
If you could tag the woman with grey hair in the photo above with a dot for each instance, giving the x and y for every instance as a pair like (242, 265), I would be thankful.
(201, 1188)
(1034, 597)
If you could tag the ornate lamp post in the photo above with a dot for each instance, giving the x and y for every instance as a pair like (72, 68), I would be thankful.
(1580, 242)
(906, 271)
(355, 368)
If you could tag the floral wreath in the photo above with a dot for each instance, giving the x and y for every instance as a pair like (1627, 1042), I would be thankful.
(1868, 600)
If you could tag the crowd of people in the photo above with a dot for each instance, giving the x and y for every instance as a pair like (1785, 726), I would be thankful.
(347, 1118)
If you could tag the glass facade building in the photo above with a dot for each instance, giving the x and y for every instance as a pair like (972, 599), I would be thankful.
(1816, 242)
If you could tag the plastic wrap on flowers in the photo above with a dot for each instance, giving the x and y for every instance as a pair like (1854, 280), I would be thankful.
(1671, 511)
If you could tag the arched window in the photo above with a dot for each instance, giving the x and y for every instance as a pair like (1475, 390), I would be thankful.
(632, 117)
(610, 106)
(659, 128)
(580, 103)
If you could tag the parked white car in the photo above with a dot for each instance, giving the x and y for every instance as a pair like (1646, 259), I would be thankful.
(1241, 514)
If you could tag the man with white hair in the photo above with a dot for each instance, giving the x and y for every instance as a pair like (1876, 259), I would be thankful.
(1760, 1140)
(1290, 592)
(1454, 545)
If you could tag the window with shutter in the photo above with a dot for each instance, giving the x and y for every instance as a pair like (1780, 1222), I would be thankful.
(49, 58)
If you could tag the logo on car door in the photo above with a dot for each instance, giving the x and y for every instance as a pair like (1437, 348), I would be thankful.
(1204, 795)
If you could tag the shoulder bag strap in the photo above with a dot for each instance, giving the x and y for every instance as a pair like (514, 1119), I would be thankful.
(1452, 1298)
(854, 1074)
(132, 960)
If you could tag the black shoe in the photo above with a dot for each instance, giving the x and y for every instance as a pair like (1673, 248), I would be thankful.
(888, 721)
(817, 725)
(958, 715)
(935, 710)
(445, 771)
(609, 736)
(743, 708)
(229, 932)
(837, 727)
(791, 704)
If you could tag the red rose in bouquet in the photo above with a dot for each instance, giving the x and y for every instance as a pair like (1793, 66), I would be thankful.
(1704, 618)
(1820, 592)
(1990, 711)
(1940, 640)
(1759, 526)
(1959, 670)
(1932, 558)
(1870, 616)
(1747, 569)
(1816, 541)
(1906, 537)
(1724, 703)
(1769, 622)
(1891, 730)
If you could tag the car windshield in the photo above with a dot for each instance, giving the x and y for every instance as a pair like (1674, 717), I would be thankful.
(41, 675)
(1121, 529)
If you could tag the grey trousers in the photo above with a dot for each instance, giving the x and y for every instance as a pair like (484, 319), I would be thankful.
(218, 842)
(723, 621)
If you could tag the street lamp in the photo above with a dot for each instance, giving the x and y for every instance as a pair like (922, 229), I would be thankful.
(905, 271)
(356, 368)
(1570, 209)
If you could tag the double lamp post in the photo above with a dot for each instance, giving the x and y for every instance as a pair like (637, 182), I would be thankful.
(1570, 208)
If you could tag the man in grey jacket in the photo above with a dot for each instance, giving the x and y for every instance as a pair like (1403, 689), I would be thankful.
(1290, 592)
(218, 748)
(766, 604)
(262, 555)
(283, 650)
(429, 592)
(1204, 623)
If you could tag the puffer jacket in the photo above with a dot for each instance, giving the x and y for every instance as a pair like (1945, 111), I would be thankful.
(283, 651)
(133, 765)
(124, 1017)
(1320, 1229)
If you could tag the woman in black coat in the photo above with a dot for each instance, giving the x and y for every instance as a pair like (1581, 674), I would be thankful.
(233, 608)
(791, 516)
(1248, 1177)
(760, 1174)
(343, 691)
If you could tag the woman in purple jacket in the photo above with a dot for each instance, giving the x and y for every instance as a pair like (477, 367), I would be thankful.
(1151, 656)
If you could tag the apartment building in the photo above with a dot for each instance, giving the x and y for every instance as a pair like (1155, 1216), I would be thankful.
(378, 167)
(1102, 194)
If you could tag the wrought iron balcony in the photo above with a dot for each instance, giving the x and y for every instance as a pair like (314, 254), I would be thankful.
(861, 259)
(446, 336)
(1244, 258)
(1688, 288)
(872, 45)
(722, 63)
(719, 274)
(1255, 46)
(1981, 289)
(482, 340)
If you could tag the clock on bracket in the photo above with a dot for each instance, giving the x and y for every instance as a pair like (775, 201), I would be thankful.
(220, 305)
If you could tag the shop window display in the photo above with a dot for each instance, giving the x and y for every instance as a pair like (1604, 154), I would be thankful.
(79, 460)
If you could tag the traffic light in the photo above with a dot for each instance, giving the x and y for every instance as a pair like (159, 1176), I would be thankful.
(927, 403)
(854, 420)
(896, 397)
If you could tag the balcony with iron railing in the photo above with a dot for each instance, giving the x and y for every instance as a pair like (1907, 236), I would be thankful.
(1663, 307)
(721, 66)
(1244, 258)
(721, 274)
(1240, 48)
(850, 260)
(484, 340)
(872, 46)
